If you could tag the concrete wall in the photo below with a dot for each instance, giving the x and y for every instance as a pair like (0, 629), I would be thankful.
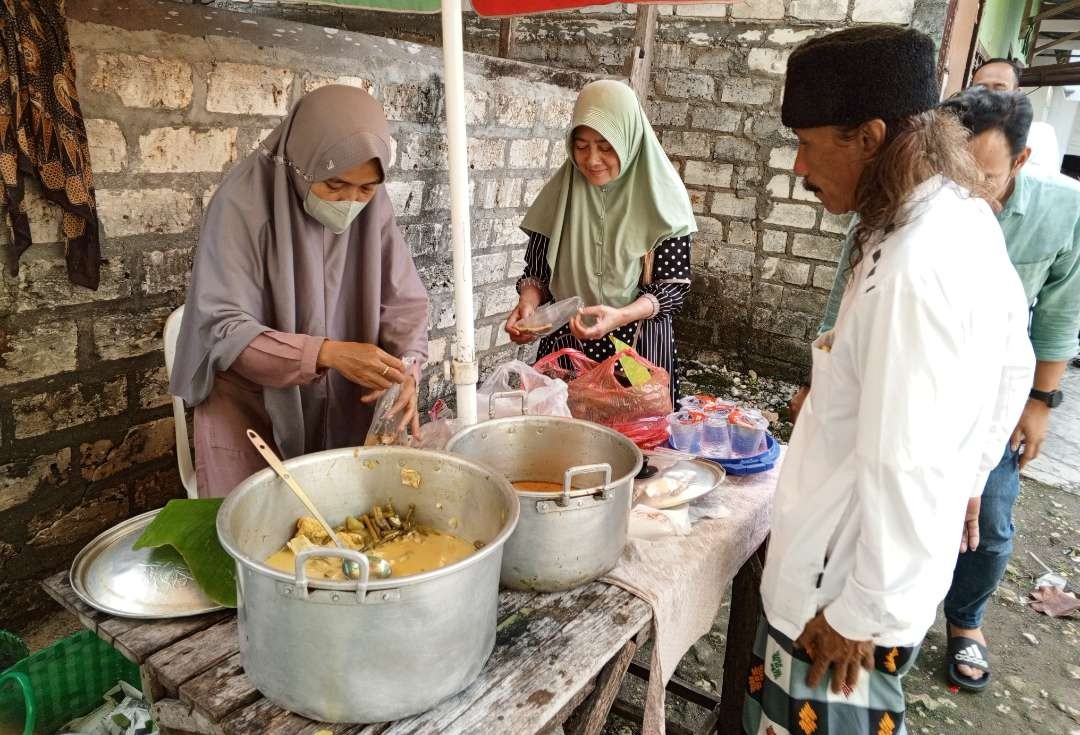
(1050, 105)
(173, 96)
(1063, 113)
(999, 29)
(766, 253)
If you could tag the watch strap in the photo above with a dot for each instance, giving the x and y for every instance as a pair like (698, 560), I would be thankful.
(1050, 398)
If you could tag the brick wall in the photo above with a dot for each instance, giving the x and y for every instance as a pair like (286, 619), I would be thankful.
(766, 253)
(173, 96)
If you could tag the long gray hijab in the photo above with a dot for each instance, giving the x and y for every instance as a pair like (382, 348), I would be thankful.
(264, 264)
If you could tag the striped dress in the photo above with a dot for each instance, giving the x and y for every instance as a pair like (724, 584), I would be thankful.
(653, 338)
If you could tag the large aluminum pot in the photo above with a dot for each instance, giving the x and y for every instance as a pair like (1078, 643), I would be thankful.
(568, 538)
(367, 650)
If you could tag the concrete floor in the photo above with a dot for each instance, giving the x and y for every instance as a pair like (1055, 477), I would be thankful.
(1058, 465)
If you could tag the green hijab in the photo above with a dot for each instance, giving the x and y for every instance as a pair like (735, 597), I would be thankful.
(599, 235)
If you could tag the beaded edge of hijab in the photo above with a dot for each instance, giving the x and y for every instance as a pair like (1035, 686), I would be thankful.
(283, 161)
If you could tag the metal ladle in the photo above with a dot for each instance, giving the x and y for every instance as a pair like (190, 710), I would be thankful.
(379, 567)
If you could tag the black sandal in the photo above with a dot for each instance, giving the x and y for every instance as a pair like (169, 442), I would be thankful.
(966, 652)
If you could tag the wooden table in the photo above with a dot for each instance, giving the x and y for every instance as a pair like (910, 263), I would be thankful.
(559, 659)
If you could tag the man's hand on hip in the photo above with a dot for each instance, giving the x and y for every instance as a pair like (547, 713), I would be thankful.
(1031, 430)
(796, 403)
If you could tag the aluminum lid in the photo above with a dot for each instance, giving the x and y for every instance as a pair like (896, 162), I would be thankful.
(149, 583)
(678, 481)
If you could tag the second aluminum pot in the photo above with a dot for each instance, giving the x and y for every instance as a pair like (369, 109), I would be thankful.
(568, 538)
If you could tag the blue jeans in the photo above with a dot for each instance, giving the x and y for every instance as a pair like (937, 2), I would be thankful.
(979, 572)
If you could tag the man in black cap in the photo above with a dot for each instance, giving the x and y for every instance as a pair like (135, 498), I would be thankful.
(914, 390)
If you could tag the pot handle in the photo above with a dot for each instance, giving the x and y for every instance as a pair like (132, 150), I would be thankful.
(519, 394)
(358, 558)
(585, 469)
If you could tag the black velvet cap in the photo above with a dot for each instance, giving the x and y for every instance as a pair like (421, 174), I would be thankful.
(858, 74)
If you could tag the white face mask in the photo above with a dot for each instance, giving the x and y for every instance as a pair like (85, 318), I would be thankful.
(334, 216)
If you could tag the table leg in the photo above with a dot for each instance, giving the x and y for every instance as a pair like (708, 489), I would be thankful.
(711, 723)
(590, 719)
(742, 628)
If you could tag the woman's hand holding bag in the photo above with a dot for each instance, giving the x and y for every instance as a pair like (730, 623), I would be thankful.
(593, 322)
(362, 363)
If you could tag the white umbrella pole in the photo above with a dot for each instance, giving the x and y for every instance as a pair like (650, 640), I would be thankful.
(465, 367)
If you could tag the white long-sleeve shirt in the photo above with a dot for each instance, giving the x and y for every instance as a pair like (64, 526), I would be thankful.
(914, 394)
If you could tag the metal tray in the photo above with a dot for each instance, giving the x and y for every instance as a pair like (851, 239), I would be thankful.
(678, 482)
(148, 584)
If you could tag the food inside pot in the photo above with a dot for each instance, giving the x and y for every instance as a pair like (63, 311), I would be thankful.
(531, 486)
(408, 546)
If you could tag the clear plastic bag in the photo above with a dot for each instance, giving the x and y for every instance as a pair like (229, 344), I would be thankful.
(384, 426)
(550, 318)
(436, 434)
(543, 396)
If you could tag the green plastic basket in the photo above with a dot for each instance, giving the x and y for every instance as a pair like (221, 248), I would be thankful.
(61, 682)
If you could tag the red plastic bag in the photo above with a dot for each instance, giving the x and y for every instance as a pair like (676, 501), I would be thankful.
(554, 365)
(598, 395)
(645, 433)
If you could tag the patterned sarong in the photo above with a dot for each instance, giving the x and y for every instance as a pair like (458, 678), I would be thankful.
(778, 702)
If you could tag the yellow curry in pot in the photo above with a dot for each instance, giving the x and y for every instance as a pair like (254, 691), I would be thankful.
(409, 547)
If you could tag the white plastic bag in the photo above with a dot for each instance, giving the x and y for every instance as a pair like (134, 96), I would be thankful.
(125, 712)
(651, 523)
(544, 396)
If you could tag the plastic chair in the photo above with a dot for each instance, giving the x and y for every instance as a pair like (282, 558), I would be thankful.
(183, 449)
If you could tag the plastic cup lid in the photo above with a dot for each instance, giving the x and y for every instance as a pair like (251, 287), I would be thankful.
(750, 421)
(687, 418)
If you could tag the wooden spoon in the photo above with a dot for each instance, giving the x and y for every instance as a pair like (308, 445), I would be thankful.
(379, 566)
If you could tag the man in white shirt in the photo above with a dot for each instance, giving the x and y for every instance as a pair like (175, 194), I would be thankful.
(914, 390)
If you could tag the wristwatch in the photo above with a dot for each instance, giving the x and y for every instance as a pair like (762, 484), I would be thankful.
(1051, 398)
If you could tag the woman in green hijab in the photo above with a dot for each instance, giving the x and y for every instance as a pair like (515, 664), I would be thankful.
(612, 226)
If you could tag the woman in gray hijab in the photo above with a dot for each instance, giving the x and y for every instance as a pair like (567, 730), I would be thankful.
(304, 298)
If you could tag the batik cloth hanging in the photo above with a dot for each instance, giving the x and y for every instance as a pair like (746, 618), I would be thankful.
(42, 135)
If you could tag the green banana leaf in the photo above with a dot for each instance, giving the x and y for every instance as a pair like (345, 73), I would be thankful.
(634, 371)
(190, 527)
